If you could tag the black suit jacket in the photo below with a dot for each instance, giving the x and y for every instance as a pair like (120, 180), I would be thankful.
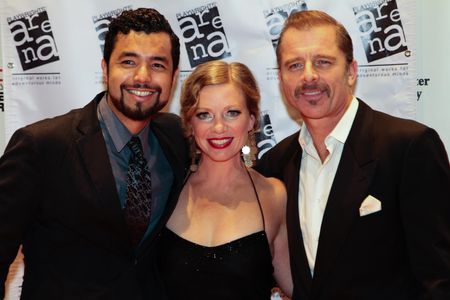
(400, 252)
(58, 198)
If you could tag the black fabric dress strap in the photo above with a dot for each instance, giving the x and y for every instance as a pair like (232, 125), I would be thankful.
(257, 198)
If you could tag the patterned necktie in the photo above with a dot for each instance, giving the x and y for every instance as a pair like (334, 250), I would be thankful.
(139, 192)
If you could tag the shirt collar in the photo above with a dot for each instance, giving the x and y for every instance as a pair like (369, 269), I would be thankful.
(118, 132)
(340, 131)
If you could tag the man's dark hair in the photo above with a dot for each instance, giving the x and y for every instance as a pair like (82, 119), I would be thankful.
(146, 20)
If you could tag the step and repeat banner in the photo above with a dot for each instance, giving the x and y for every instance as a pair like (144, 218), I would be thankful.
(50, 53)
(433, 66)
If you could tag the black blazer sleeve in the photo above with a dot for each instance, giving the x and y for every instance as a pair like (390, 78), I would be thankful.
(424, 195)
(20, 179)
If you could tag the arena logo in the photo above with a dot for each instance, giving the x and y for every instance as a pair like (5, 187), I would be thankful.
(33, 38)
(381, 29)
(101, 23)
(264, 137)
(203, 34)
(276, 16)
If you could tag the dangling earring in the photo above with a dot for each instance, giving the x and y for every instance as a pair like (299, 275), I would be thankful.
(193, 167)
(247, 150)
(246, 155)
(195, 155)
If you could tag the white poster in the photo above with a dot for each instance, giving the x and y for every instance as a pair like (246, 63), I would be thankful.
(52, 51)
(433, 66)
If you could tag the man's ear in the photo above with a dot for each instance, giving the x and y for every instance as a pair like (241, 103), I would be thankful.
(104, 71)
(174, 82)
(352, 73)
(176, 73)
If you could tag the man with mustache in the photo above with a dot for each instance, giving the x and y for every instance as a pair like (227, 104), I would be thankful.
(368, 210)
(87, 193)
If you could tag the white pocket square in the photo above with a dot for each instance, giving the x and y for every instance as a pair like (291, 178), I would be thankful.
(369, 206)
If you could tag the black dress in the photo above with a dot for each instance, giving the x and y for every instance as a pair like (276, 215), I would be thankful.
(241, 269)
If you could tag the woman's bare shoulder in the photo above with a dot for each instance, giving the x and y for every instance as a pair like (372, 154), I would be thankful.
(269, 186)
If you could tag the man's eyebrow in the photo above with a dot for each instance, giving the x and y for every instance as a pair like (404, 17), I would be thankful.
(153, 57)
(291, 60)
(128, 53)
(329, 57)
(159, 58)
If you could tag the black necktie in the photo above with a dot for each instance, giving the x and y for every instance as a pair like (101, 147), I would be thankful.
(139, 192)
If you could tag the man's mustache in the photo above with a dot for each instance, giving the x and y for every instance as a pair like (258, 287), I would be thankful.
(156, 88)
(304, 88)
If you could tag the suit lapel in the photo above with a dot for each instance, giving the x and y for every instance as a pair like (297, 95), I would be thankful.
(93, 154)
(299, 262)
(170, 147)
(350, 186)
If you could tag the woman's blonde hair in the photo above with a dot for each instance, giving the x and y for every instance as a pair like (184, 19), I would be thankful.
(218, 72)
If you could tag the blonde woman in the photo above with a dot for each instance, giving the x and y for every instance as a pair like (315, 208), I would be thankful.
(226, 238)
